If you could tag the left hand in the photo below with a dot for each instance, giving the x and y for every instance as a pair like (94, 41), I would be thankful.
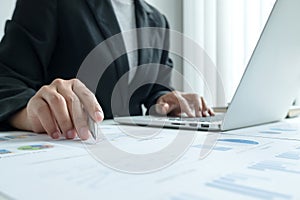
(176, 103)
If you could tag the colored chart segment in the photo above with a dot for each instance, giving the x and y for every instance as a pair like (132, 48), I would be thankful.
(284, 129)
(239, 141)
(3, 139)
(35, 147)
(185, 196)
(278, 130)
(241, 184)
(275, 166)
(271, 132)
(291, 155)
(215, 148)
(4, 151)
(15, 137)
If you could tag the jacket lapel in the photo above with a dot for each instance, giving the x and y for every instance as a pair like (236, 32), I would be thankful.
(147, 74)
(105, 17)
(109, 26)
(144, 18)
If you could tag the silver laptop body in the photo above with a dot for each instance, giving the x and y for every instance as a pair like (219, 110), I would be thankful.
(270, 82)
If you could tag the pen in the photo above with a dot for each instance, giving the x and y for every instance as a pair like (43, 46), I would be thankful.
(93, 127)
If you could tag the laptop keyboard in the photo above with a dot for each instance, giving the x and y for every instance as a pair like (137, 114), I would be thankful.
(216, 118)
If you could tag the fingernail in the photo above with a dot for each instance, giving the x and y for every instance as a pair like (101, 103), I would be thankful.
(84, 133)
(99, 116)
(165, 108)
(56, 135)
(205, 114)
(70, 134)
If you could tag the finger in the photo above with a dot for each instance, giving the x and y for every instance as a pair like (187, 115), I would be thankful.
(69, 96)
(177, 103)
(185, 107)
(211, 112)
(166, 108)
(162, 108)
(60, 111)
(88, 100)
(45, 117)
(80, 119)
(165, 105)
(196, 101)
(204, 108)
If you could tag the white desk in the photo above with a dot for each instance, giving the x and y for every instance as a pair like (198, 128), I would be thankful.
(254, 163)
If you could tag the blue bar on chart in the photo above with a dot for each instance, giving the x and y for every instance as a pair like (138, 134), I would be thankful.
(239, 141)
(292, 155)
(274, 166)
(237, 183)
(185, 196)
(215, 148)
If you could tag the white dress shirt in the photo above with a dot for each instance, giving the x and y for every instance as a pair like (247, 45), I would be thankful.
(125, 13)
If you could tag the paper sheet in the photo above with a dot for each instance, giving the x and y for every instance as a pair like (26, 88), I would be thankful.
(288, 129)
(236, 167)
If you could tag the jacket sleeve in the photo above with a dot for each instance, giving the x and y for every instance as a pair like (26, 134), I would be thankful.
(165, 73)
(25, 53)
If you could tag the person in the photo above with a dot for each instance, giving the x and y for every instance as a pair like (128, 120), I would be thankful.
(42, 50)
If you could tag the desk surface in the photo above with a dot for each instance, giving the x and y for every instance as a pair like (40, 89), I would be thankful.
(255, 163)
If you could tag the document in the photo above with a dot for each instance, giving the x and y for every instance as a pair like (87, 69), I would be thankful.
(288, 129)
(234, 166)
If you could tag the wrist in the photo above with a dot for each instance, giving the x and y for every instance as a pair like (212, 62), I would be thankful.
(20, 120)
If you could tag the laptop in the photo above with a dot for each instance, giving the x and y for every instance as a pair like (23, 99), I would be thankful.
(268, 87)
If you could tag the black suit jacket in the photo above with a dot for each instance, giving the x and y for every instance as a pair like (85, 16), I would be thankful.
(49, 39)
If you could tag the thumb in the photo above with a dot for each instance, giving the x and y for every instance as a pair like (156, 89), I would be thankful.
(163, 108)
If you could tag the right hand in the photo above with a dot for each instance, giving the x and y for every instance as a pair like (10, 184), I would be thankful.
(57, 110)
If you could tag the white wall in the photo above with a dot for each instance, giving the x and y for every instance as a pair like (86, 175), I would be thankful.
(173, 11)
(6, 10)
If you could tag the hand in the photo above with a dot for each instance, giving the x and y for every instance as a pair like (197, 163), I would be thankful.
(176, 103)
(57, 110)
